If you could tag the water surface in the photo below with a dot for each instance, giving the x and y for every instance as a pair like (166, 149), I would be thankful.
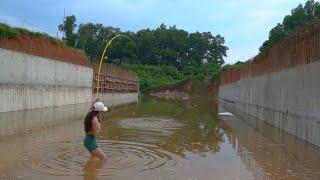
(152, 139)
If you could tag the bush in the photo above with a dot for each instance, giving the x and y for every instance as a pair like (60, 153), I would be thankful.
(155, 76)
(164, 76)
(7, 31)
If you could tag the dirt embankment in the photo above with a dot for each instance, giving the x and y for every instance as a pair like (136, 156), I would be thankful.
(173, 92)
(213, 88)
(38, 46)
(184, 91)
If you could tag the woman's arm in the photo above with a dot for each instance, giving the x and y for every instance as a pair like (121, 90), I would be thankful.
(95, 126)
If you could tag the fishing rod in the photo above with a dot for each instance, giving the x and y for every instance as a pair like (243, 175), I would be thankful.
(103, 55)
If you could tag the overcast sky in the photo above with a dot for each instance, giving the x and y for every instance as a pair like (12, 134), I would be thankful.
(244, 23)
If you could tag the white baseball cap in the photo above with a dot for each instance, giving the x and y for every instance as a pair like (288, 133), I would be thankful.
(99, 106)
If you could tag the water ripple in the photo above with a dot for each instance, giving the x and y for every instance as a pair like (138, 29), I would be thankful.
(71, 158)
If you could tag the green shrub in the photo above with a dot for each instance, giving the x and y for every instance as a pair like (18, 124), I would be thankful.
(155, 76)
(11, 32)
(163, 76)
(7, 31)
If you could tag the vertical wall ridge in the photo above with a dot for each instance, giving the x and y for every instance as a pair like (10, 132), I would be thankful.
(288, 99)
(28, 82)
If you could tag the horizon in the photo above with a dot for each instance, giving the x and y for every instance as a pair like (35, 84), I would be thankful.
(244, 33)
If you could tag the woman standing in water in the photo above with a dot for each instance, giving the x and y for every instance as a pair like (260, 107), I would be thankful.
(92, 127)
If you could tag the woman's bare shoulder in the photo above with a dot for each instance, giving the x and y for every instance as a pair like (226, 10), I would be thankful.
(95, 119)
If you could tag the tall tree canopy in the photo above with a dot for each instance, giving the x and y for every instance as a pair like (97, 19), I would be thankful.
(298, 17)
(68, 27)
(161, 46)
(176, 47)
(160, 56)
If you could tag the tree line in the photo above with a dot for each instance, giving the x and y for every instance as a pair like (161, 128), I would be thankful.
(161, 46)
(298, 17)
(160, 56)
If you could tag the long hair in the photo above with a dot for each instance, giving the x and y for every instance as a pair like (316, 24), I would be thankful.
(88, 120)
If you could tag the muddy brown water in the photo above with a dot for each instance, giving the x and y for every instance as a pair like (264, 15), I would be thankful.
(152, 139)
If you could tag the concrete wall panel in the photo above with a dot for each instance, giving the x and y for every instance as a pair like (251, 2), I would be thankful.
(12, 67)
(288, 99)
(83, 80)
(20, 68)
(65, 74)
(19, 97)
(40, 71)
(28, 82)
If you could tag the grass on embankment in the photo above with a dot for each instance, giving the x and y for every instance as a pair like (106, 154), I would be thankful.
(168, 77)
(7, 32)
(163, 77)
(154, 76)
(159, 77)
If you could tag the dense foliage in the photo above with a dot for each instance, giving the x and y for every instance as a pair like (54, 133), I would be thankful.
(7, 32)
(162, 46)
(159, 76)
(68, 27)
(155, 76)
(298, 17)
(161, 56)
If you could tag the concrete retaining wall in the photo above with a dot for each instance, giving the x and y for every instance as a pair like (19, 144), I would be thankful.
(288, 99)
(28, 82)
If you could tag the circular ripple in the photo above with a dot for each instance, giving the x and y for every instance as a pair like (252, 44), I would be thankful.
(71, 158)
(157, 124)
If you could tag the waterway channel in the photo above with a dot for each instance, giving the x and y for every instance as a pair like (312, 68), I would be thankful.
(152, 139)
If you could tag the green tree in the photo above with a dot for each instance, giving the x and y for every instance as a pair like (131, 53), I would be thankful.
(68, 27)
(275, 35)
(123, 51)
(163, 46)
(175, 47)
(310, 8)
(92, 38)
(298, 17)
(160, 56)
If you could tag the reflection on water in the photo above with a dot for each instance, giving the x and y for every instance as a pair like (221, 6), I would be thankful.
(92, 168)
(269, 152)
(23, 121)
(154, 139)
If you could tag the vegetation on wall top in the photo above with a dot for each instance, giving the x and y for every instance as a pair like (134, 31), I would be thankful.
(299, 17)
(7, 31)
